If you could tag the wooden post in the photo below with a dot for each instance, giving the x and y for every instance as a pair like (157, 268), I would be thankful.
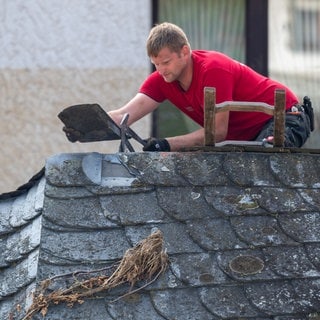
(209, 116)
(279, 117)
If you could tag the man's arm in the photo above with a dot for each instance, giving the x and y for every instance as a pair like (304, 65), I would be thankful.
(142, 105)
(137, 107)
(196, 138)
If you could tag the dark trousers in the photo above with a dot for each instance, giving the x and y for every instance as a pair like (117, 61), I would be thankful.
(297, 130)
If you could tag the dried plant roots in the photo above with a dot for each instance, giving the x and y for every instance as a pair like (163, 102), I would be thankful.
(146, 261)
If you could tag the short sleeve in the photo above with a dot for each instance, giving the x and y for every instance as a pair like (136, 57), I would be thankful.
(152, 87)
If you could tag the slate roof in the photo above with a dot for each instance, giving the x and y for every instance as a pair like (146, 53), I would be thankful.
(242, 230)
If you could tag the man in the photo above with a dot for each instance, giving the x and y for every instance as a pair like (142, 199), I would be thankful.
(181, 75)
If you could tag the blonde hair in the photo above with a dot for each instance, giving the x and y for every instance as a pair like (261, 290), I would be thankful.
(166, 35)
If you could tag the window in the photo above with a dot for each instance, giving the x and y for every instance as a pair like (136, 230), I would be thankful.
(305, 29)
(209, 25)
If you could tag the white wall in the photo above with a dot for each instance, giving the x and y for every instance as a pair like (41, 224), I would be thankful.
(299, 70)
(58, 53)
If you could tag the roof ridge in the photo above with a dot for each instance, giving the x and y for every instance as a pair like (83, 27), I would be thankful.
(25, 187)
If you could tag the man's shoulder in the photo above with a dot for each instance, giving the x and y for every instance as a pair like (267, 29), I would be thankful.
(154, 78)
(209, 54)
(209, 57)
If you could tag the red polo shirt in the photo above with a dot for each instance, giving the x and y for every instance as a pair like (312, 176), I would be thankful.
(233, 81)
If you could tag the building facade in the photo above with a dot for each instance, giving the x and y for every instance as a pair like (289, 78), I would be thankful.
(57, 54)
(60, 53)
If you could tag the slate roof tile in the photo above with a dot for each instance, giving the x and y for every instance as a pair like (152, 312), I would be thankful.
(284, 297)
(17, 212)
(5, 211)
(20, 244)
(234, 201)
(155, 170)
(278, 200)
(135, 307)
(20, 228)
(180, 304)
(184, 204)
(3, 248)
(27, 206)
(214, 234)
(290, 262)
(302, 227)
(313, 251)
(203, 163)
(19, 276)
(77, 213)
(216, 299)
(177, 240)
(247, 170)
(309, 295)
(245, 266)
(9, 306)
(265, 231)
(66, 170)
(198, 269)
(295, 171)
(311, 197)
(132, 209)
(83, 246)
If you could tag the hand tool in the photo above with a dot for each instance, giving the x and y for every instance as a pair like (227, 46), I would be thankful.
(89, 123)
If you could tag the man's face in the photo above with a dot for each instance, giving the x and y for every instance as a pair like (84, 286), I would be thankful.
(170, 65)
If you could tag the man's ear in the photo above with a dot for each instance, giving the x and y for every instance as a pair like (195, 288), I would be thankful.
(185, 50)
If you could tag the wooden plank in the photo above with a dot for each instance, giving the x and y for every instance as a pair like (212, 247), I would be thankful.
(209, 116)
(244, 106)
(279, 117)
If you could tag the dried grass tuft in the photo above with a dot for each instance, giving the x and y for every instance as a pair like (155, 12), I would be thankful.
(146, 261)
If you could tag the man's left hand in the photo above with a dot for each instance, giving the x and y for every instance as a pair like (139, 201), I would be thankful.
(72, 134)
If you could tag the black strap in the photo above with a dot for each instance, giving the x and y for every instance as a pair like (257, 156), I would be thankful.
(307, 105)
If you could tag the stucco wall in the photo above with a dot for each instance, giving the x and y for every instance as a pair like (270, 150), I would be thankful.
(59, 53)
(299, 70)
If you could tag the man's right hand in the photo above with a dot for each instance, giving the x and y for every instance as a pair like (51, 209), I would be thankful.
(154, 144)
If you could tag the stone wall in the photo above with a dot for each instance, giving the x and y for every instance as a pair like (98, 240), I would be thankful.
(59, 53)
